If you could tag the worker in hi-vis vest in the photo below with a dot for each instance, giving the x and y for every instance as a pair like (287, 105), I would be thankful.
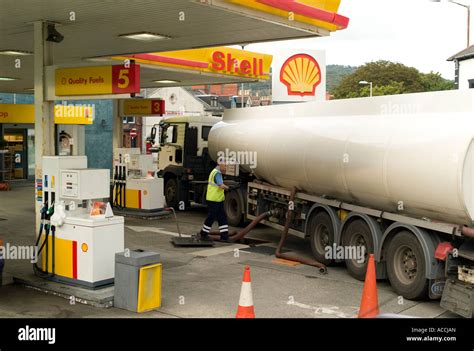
(215, 201)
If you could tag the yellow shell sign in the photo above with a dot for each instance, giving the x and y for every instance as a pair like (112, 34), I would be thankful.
(215, 60)
(301, 74)
(319, 13)
(17, 113)
(63, 113)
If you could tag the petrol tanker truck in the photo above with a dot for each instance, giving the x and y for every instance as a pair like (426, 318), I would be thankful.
(393, 175)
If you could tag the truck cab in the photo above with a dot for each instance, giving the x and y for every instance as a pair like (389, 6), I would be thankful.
(183, 158)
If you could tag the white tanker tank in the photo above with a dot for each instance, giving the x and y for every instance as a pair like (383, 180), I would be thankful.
(408, 154)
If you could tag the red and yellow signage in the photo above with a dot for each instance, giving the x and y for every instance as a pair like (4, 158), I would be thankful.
(63, 113)
(301, 74)
(17, 113)
(98, 80)
(65, 260)
(320, 13)
(142, 107)
(225, 62)
(217, 60)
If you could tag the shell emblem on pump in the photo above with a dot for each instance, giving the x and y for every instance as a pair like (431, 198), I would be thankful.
(301, 74)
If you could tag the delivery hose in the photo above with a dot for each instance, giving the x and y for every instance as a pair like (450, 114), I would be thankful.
(289, 217)
(469, 232)
(239, 235)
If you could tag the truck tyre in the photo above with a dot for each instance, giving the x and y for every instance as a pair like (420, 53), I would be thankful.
(171, 193)
(234, 208)
(321, 232)
(406, 266)
(357, 234)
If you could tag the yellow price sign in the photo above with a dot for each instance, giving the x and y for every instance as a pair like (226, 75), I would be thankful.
(98, 80)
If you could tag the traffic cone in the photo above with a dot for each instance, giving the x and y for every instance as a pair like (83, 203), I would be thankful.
(369, 306)
(245, 309)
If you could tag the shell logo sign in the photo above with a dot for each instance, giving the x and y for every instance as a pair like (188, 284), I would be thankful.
(301, 74)
(298, 75)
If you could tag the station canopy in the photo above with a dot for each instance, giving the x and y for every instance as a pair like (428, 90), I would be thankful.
(98, 31)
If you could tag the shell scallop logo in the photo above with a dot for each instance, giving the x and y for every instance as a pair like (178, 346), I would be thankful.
(301, 74)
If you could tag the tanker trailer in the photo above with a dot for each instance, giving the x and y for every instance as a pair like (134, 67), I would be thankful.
(392, 175)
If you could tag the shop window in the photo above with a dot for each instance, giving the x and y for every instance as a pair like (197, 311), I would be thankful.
(128, 120)
(205, 132)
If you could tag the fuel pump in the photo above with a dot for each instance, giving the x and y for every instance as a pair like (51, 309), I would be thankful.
(79, 235)
(136, 188)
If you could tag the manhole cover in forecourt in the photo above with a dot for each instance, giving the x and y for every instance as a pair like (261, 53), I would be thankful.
(263, 250)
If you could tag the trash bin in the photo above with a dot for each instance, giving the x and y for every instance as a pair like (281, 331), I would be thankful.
(137, 280)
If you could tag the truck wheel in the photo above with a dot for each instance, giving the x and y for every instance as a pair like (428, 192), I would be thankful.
(171, 193)
(357, 234)
(234, 208)
(321, 232)
(406, 266)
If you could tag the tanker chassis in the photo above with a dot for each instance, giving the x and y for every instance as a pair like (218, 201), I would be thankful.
(421, 259)
(399, 184)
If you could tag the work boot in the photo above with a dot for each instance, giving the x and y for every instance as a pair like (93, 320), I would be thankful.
(225, 239)
(203, 236)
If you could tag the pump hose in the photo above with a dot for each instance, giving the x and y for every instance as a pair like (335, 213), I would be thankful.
(45, 216)
(37, 270)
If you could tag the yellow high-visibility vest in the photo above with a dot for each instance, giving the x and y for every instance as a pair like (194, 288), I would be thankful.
(214, 192)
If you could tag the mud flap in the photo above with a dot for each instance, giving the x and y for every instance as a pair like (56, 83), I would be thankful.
(458, 297)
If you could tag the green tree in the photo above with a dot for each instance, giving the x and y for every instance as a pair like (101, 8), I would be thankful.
(380, 73)
(393, 88)
(434, 82)
(389, 78)
(335, 74)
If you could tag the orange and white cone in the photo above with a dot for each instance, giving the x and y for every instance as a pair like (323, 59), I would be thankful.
(245, 309)
(369, 305)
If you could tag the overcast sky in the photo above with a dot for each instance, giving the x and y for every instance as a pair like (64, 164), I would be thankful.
(417, 33)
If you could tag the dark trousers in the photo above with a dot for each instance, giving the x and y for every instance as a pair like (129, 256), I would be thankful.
(216, 212)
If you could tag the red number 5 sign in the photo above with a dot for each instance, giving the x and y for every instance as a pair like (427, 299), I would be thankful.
(125, 80)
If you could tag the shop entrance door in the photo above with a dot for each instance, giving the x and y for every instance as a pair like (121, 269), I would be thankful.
(16, 144)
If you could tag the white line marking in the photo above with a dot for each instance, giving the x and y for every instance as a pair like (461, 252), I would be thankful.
(424, 310)
(326, 310)
(219, 250)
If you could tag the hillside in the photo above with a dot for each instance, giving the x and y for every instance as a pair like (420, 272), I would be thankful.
(335, 74)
